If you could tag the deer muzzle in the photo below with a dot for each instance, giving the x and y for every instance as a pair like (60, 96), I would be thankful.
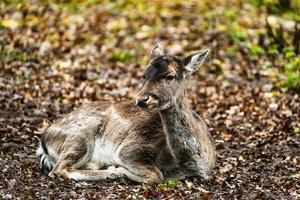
(142, 101)
(147, 101)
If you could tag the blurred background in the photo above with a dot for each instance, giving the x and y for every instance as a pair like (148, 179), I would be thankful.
(56, 55)
(77, 39)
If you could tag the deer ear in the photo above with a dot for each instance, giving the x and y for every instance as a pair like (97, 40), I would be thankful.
(193, 62)
(156, 52)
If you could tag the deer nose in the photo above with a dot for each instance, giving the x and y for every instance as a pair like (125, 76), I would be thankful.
(142, 101)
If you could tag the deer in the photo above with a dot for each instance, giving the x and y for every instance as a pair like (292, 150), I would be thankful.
(154, 139)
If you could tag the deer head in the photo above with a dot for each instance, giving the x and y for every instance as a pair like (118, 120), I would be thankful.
(164, 78)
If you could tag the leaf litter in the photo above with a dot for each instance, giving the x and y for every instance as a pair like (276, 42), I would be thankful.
(54, 59)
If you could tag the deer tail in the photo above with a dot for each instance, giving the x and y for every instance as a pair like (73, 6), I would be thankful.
(46, 164)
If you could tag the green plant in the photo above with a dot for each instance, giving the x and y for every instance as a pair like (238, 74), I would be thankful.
(10, 54)
(256, 51)
(267, 65)
(231, 15)
(237, 33)
(171, 184)
(121, 56)
(290, 9)
(273, 51)
(292, 71)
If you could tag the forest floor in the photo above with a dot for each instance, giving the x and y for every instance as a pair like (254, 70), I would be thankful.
(54, 58)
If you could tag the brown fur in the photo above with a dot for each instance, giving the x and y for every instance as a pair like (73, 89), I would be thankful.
(160, 139)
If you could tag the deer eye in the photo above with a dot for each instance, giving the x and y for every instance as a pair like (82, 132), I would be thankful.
(170, 77)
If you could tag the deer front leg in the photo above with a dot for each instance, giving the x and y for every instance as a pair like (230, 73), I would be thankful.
(143, 174)
(89, 175)
(139, 166)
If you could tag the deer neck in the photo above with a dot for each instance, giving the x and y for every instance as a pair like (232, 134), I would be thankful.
(180, 128)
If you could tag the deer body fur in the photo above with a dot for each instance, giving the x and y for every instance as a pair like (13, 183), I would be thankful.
(160, 138)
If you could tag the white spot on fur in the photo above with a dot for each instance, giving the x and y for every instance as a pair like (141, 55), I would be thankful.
(75, 124)
(104, 154)
(118, 119)
(39, 150)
